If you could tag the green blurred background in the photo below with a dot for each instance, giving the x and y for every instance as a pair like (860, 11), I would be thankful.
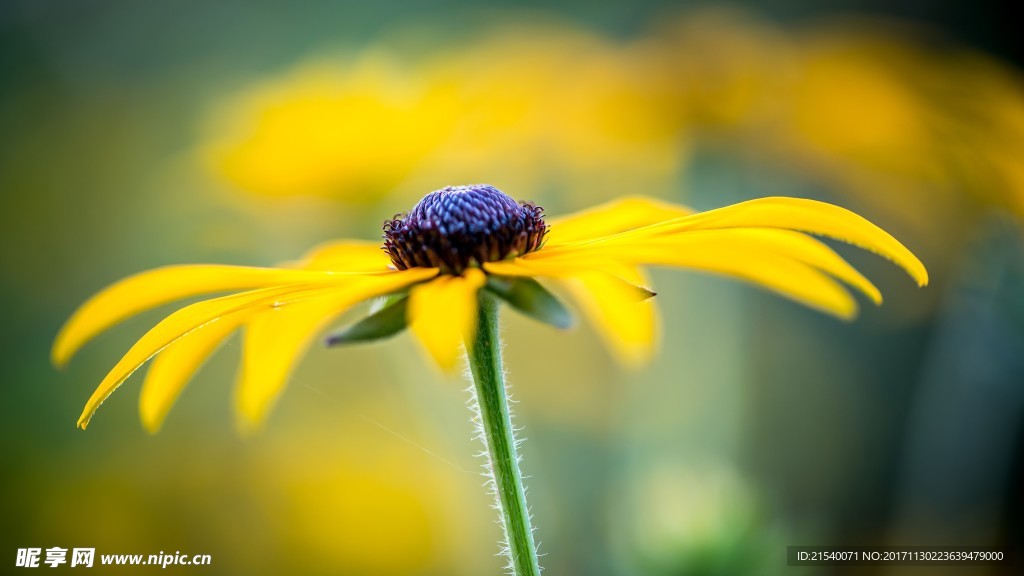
(138, 134)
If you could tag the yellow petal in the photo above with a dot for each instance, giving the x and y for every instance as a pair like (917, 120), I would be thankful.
(552, 268)
(753, 263)
(347, 256)
(443, 312)
(631, 278)
(235, 309)
(156, 287)
(611, 218)
(680, 249)
(276, 338)
(611, 295)
(173, 368)
(521, 267)
(627, 322)
(273, 342)
(226, 309)
(786, 276)
(802, 215)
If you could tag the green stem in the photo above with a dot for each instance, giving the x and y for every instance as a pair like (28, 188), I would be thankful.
(497, 434)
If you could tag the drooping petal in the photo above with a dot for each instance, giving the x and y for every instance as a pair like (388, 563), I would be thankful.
(741, 254)
(273, 342)
(236, 309)
(625, 320)
(153, 288)
(786, 276)
(790, 278)
(681, 250)
(611, 218)
(228, 309)
(276, 338)
(346, 256)
(803, 215)
(174, 366)
(443, 313)
(610, 294)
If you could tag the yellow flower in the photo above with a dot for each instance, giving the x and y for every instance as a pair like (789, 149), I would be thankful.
(361, 125)
(330, 128)
(455, 242)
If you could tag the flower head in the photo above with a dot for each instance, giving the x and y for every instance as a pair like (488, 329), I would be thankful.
(462, 226)
(452, 244)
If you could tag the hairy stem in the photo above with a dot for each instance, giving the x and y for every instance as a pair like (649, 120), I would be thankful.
(498, 435)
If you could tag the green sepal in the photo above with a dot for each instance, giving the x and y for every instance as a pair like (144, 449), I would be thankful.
(389, 320)
(529, 297)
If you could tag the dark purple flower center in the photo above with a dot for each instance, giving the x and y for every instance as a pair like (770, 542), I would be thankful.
(460, 226)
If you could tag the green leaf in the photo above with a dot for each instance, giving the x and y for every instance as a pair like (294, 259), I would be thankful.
(530, 298)
(383, 323)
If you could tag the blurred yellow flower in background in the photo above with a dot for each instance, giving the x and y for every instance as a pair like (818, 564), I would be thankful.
(454, 242)
(574, 109)
(864, 107)
(347, 129)
(562, 106)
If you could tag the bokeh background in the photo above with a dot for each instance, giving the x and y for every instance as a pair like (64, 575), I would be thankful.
(138, 134)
